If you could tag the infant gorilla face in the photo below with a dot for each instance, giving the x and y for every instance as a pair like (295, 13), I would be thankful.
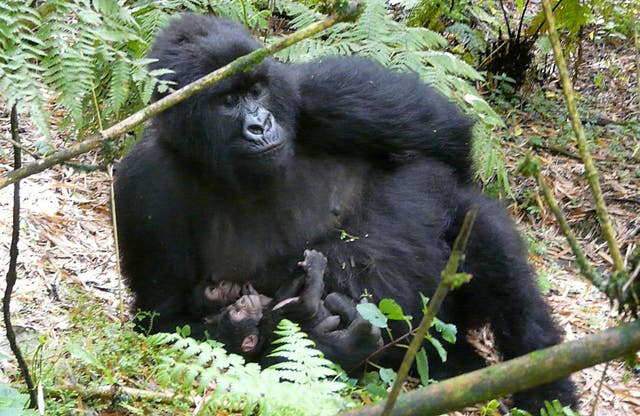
(237, 325)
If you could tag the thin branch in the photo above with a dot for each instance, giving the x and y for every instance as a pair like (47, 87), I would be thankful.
(116, 244)
(506, 19)
(594, 406)
(15, 144)
(243, 63)
(12, 273)
(581, 260)
(76, 166)
(111, 391)
(541, 25)
(636, 43)
(524, 10)
(522, 373)
(583, 147)
(447, 282)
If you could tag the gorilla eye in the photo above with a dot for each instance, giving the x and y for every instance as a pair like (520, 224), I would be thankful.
(256, 89)
(230, 100)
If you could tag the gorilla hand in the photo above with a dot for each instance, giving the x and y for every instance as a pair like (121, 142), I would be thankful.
(314, 263)
(302, 300)
(344, 336)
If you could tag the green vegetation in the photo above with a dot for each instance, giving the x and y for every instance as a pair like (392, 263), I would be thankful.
(116, 369)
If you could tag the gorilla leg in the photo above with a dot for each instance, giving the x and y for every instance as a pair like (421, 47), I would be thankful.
(462, 358)
(503, 286)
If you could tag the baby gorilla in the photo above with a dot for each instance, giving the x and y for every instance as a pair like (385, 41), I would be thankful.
(244, 320)
(240, 324)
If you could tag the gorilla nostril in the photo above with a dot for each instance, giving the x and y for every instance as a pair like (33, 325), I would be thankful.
(255, 129)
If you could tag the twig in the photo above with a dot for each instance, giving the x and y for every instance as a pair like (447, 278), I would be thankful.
(114, 220)
(631, 279)
(506, 19)
(524, 10)
(583, 148)
(21, 147)
(446, 284)
(243, 63)
(111, 391)
(12, 274)
(600, 384)
(636, 43)
(545, 19)
(532, 168)
(557, 150)
(77, 166)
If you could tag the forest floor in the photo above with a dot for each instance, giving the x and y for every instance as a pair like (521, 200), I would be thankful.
(67, 249)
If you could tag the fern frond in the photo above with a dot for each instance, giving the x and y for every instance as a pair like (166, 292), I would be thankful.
(20, 52)
(303, 363)
(118, 89)
(470, 38)
(452, 65)
(245, 387)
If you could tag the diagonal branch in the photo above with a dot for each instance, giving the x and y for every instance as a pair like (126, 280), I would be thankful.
(581, 140)
(522, 373)
(348, 12)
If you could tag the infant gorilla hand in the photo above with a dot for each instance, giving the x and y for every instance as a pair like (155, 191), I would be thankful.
(314, 263)
(301, 300)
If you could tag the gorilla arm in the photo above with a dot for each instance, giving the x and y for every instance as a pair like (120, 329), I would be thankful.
(151, 205)
(354, 105)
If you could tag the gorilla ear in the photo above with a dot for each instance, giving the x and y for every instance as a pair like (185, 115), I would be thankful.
(249, 343)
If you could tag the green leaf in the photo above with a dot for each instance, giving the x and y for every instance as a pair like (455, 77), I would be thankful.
(84, 356)
(13, 402)
(371, 313)
(185, 331)
(438, 346)
(423, 366)
(447, 331)
(392, 310)
(388, 376)
(458, 279)
(425, 303)
(44, 147)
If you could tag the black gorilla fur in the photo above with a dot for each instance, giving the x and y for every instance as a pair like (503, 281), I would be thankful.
(234, 183)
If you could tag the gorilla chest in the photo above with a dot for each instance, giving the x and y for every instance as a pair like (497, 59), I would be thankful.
(248, 236)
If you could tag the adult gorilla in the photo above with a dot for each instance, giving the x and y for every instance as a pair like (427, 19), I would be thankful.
(234, 183)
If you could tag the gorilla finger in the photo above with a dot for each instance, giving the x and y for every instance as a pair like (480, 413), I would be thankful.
(360, 326)
(313, 289)
(365, 332)
(343, 305)
(376, 335)
(328, 324)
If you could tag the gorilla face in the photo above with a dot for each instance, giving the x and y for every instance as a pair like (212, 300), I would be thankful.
(239, 130)
(254, 130)
(260, 132)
